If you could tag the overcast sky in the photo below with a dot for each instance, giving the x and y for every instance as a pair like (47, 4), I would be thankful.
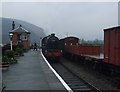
(81, 19)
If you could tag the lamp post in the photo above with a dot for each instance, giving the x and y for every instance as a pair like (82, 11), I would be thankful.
(11, 35)
(40, 42)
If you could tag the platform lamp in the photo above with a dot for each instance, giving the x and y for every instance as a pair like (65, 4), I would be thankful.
(40, 42)
(11, 35)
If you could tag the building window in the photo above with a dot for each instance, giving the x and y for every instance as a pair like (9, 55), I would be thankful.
(24, 37)
(19, 37)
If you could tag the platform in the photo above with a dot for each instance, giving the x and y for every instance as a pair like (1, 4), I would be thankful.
(31, 73)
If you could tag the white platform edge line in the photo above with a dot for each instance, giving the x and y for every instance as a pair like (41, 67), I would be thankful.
(57, 75)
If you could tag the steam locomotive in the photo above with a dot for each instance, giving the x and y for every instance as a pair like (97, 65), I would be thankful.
(51, 47)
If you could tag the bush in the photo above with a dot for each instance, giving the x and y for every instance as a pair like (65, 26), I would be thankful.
(9, 57)
(16, 53)
(9, 53)
(25, 50)
(19, 51)
(12, 61)
(5, 60)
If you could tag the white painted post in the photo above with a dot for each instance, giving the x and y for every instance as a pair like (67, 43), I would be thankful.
(11, 45)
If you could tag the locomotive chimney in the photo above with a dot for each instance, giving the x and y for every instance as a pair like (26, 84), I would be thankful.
(20, 25)
(53, 34)
(13, 25)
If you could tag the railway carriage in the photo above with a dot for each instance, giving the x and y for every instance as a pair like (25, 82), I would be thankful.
(109, 61)
(112, 48)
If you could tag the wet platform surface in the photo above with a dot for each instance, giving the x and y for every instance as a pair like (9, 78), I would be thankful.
(31, 73)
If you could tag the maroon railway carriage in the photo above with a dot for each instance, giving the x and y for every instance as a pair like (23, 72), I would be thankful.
(68, 41)
(84, 53)
(72, 45)
(71, 40)
(111, 58)
(112, 45)
(112, 48)
(73, 49)
(82, 50)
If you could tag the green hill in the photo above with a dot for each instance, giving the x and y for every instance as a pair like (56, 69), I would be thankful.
(36, 32)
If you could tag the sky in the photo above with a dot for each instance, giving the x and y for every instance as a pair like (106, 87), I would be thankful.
(119, 13)
(0, 24)
(85, 20)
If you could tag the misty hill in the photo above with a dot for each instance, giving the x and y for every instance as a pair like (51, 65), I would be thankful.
(36, 32)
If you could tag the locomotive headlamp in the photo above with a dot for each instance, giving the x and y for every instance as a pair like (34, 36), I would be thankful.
(45, 50)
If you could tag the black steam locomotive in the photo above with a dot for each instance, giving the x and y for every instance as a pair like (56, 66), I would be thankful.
(51, 47)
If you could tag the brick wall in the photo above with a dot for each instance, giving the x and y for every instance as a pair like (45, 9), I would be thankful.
(14, 39)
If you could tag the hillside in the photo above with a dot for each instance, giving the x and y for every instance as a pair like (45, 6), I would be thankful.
(36, 32)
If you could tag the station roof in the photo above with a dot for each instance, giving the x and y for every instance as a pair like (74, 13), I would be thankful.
(20, 29)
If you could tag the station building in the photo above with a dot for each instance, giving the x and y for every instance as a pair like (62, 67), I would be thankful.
(21, 36)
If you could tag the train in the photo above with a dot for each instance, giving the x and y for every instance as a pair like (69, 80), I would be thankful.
(50, 47)
(108, 61)
(70, 47)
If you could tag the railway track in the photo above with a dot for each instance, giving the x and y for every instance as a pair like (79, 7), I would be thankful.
(73, 81)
